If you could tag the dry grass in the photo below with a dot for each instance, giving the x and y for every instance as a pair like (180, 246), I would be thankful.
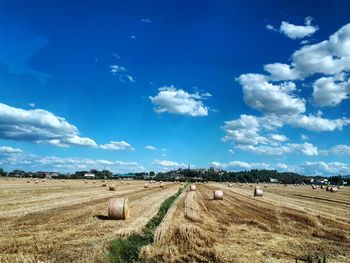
(57, 221)
(288, 222)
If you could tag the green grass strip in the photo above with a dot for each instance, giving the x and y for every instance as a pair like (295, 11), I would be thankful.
(126, 250)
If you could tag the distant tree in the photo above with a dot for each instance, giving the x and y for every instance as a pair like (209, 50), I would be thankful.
(151, 173)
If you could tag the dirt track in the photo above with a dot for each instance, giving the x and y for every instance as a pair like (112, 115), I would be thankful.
(57, 221)
(287, 222)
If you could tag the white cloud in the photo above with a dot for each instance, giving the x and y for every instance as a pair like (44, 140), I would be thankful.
(271, 27)
(177, 101)
(32, 104)
(316, 123)
(9, 150)
(330, 91)
(279, 137)
(328, 57)
(114, 145)
(39, 126)
(150, 147)
(231, 151)
(243, 131)
(279, 71)
(269, 98)
(169, 164)
(298, 31)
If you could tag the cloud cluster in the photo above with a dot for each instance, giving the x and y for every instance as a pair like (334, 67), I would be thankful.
(177, 101)
(276, 96)
(122, 73)
(39, 126)
(9, 150)
(150, 147)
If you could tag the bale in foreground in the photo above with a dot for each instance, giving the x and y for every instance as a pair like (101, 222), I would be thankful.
(118, 208)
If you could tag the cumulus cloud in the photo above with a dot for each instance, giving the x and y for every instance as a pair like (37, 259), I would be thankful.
(150, 147)
(39, 126)
(330, 91)
(280, 71)
(268, 98)
(279, 137)
(114, 145)
(295, 31)
(177, 101)
(298, 31)
(244, 130)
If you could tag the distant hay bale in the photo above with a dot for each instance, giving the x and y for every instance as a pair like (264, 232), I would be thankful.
(122, 181)
(145, 185)
(314, 186)
(340, 186)
(258, 191)
(28, 181)
(161, 185)
(251, 185)
(265, 185)
(193, 187)
(218, 195)
(118, 208)
(328, 188)
(112, 187)
(86, 181)
(229, 185)
(93, 182)
(63, 181)
(104, 185)
(333, 189)
(240, 184)
(322, 187)
(285, 185)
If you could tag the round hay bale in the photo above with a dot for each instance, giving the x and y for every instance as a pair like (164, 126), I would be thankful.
(240, 184)
(36, 182)
(314, 186)
(145, 185)
(333, 189)
(161, 185)
(118, 208)
(258, 191)
(63, 181)
(28, 181)
(265, 185)
(251, 185)
(229, 185)
(122, 181)
(285, 185)
(218, 195)
(112, 187)
(322, 187)
(93, 182)
(181, 183)
(328, 188)
(86, 181)
(340, 186)
(193, 187)
(104, 185)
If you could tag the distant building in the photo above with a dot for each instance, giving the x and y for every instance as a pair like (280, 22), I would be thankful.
(273, 180)
(89, 175)
(50, 174)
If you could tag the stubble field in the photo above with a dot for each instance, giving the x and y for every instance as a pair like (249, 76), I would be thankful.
(57, 221)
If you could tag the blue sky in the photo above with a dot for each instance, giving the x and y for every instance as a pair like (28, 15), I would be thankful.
(157, 85)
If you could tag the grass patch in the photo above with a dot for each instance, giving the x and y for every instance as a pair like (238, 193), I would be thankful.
(126, 250)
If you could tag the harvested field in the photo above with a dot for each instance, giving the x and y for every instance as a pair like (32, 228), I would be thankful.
(282, 225)
(55, 221)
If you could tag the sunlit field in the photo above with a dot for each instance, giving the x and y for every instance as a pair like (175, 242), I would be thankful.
(67, 221)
